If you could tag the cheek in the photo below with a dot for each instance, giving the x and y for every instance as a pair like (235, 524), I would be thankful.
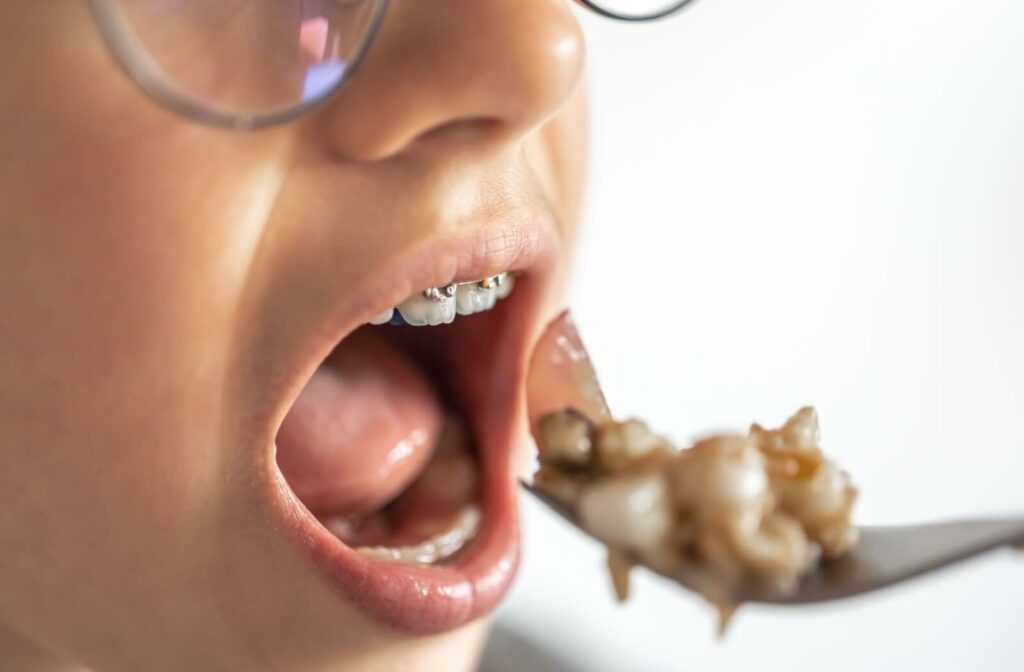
(127, 235)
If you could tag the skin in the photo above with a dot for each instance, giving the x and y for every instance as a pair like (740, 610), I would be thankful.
(147, 265)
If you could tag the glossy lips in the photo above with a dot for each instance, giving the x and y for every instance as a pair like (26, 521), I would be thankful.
(414, 598)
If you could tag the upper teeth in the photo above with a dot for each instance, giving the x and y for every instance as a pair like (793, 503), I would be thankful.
(475, 298)
(503, 285)
(440, 305)
(383, 318)
(439, 294)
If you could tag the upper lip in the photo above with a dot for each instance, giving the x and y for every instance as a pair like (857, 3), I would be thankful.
(436, 598)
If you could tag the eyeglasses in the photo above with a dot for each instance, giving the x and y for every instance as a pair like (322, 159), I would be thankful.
(256, 63)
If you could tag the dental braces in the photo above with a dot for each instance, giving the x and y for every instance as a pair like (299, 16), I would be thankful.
(440, 305)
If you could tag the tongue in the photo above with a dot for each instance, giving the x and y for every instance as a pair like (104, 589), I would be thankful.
(361, 430)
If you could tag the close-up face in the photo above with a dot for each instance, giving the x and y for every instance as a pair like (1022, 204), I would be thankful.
(289, 380)
(209, 459)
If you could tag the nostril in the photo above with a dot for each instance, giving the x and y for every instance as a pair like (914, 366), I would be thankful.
(470, 130)
(451, 134)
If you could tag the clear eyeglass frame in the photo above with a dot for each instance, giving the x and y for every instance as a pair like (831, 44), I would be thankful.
(150, 77)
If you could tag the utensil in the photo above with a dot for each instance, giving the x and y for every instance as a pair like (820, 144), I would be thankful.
(884, 556)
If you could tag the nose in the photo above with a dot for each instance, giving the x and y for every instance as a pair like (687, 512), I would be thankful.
(488, 70)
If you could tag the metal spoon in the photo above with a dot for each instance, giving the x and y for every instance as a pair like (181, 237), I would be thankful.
(883, 557)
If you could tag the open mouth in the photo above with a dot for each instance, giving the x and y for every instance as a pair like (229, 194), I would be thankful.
(378, 445)
(397, 451)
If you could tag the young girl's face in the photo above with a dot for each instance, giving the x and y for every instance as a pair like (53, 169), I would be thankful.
(169, 293)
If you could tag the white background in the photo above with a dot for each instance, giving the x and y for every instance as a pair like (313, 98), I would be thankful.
(808, 201)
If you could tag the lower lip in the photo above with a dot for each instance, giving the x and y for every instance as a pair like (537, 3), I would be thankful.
(425, 600)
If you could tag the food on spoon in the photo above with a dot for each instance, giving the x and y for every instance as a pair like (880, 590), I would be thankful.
(729, 512)
(762, 508)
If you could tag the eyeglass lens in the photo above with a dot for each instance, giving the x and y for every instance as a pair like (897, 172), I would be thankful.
(247, 56)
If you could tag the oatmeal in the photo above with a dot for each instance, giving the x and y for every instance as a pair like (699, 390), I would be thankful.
(728, 511)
